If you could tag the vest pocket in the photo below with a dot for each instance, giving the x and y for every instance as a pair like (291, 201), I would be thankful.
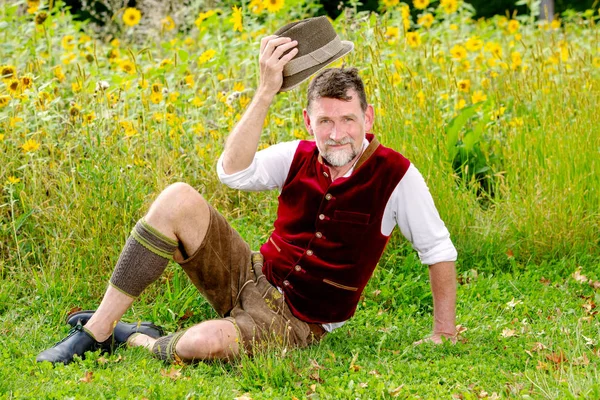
(339, 285)
(352, 217)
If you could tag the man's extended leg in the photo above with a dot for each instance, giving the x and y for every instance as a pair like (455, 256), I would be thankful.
(177, 220)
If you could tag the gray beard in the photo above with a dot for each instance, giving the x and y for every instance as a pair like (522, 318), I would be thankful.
(339, 158)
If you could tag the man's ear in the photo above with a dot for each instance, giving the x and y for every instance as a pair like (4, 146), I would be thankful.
(307, 122)
(369, 118)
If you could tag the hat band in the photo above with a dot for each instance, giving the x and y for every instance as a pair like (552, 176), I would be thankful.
(313, 58)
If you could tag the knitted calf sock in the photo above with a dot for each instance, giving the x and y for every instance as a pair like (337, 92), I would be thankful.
(164, 347)
(143, 259)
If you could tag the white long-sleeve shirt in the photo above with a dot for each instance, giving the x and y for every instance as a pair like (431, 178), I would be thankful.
(410, 206)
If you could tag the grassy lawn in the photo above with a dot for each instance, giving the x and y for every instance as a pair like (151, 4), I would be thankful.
(532, 332)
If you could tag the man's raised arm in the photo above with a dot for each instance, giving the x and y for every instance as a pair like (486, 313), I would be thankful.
(242, 143)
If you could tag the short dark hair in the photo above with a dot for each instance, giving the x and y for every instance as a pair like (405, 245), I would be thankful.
(334, 83)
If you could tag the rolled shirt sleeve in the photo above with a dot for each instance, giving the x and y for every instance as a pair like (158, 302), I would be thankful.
(411, 207)
(268, 170)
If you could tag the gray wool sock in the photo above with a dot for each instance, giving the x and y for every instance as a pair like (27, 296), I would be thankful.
(143, 259)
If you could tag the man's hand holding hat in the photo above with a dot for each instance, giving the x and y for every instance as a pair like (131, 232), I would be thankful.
(298, 50)
(275, 53)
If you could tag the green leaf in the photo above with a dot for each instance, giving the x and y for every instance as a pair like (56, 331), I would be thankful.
(454, 128)
(21, 220)
(183, 55)
(474, 135)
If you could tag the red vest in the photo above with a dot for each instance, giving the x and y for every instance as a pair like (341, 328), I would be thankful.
(327, 238)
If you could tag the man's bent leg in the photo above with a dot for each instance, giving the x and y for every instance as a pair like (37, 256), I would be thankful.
(177, 221)
(179, 216)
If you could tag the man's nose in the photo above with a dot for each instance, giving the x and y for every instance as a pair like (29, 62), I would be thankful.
(334, 134)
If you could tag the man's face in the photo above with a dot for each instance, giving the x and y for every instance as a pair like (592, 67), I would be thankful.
(339, 127)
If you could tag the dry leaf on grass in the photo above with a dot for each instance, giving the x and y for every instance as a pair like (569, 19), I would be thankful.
(315, 365)
(245, 396)
(396, 392)
(557, 358)
(583, 360)
(315, 377)
(102, 360)
(513, 303)
(89, 375)
(538, 346)
(508, 333)
(579, 277)
(173, 373)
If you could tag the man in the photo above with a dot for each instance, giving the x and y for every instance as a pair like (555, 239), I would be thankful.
(341, 197)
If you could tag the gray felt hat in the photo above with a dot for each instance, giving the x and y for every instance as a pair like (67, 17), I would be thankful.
(318, 46)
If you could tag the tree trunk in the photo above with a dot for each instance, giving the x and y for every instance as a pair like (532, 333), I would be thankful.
(547, 10)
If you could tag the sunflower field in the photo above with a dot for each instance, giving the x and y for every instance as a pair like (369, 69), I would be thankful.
(500, 116)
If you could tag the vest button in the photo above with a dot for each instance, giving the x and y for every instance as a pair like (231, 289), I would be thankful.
(325, 174)
(298, 268)
(328, 196)
(286, 283)
(322, 217)
(319, 235)
(309, 252)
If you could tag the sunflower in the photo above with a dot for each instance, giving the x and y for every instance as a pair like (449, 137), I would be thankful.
(236, 18)
(132, 16)
(156, 88)
(4, 100)
(127, 66)
(274, 5)
(390, 3)
(478, 96)
(449, 6)
(458, 52)
(14, 86)
(41, 18)
(26, 81)
(30, 146)
(206, 56)
(426, 20)
(256, 6)
(413, 39)
(420, 4)
(8, 71)
(168, 24)
(513, 26)
(464, 85)
(474, 44)
(68, 42)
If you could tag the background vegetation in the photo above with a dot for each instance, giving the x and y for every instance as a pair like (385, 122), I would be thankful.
(499, 115)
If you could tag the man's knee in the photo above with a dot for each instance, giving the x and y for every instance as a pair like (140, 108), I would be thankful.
(209, 340)
(178, 201)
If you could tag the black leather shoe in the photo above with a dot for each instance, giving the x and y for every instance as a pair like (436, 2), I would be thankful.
(77, 342)
(122, 330)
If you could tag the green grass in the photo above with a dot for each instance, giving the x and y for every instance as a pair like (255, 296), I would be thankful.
(530, 328)
(370, 357)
